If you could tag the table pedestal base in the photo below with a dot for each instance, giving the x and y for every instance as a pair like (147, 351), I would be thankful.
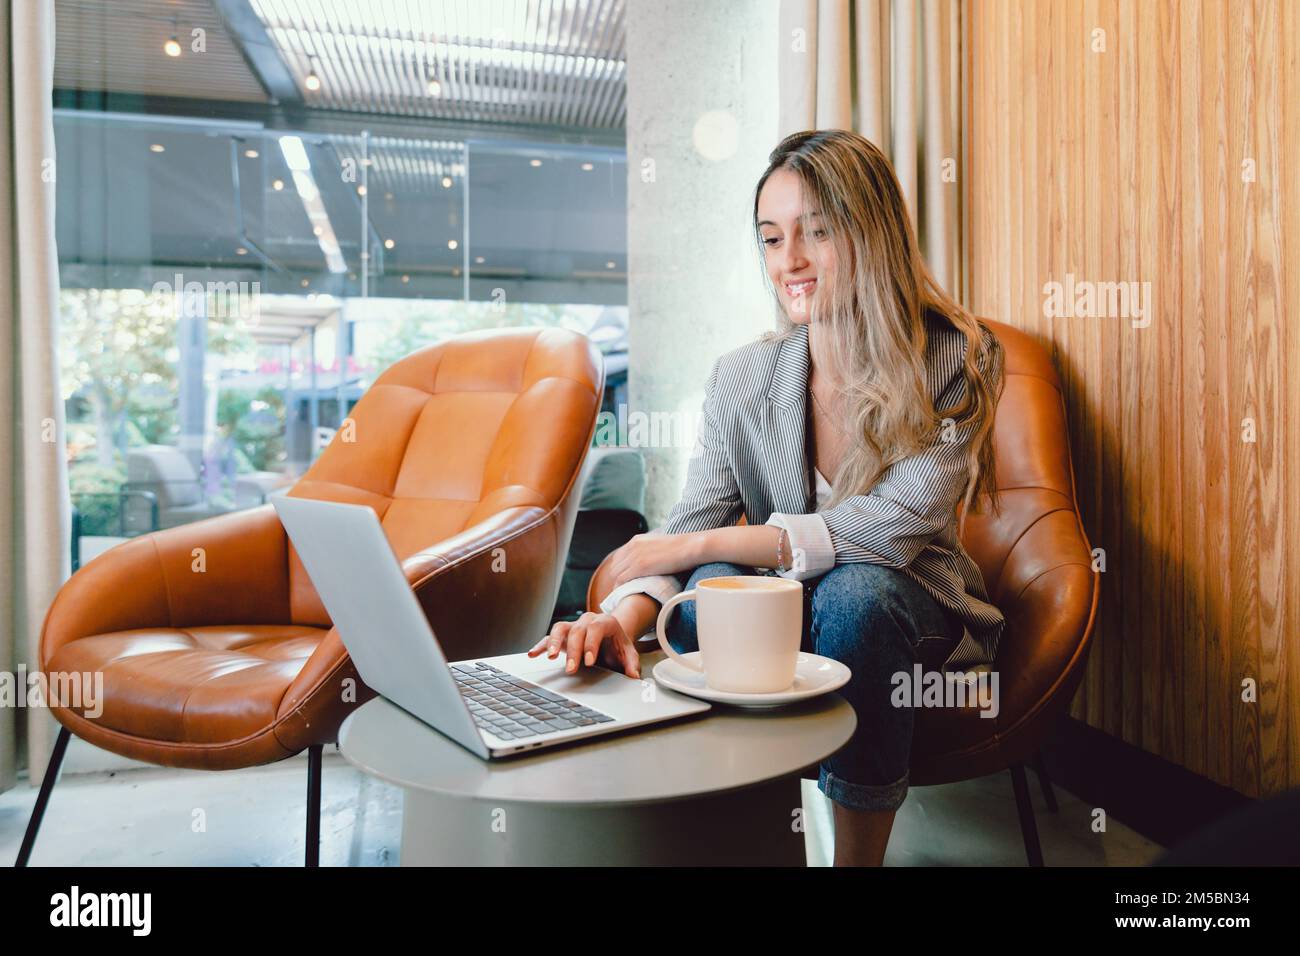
(757, 826)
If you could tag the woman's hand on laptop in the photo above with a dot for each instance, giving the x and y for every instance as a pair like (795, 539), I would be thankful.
(591, 639)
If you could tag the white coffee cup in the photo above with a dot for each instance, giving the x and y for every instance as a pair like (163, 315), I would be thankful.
(749, 629)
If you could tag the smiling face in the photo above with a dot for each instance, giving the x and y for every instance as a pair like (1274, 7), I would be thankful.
(797, 250)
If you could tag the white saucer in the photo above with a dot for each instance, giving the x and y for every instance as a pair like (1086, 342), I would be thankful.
(813, 676)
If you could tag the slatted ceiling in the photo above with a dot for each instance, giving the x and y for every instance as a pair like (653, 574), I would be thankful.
(406, 166)
(117, 46)
(535, 62)
(538, 62)
(1127, 165)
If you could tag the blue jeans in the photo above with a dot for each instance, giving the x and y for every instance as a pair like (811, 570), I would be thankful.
(878, 621)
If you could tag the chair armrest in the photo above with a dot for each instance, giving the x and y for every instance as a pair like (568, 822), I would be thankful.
(233, 567)
(491, 588)
(600, 586)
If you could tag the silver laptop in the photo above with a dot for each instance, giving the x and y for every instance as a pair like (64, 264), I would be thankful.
(496, 706)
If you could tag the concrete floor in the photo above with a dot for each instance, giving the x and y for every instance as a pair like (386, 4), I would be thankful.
(255, 818)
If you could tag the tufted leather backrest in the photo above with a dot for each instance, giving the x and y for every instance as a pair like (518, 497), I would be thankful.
(455, 433)
(1034, 554)
(1034, 475)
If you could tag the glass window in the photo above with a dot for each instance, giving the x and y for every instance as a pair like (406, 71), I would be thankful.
(230, 289)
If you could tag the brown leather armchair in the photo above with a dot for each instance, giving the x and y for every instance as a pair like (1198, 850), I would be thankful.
(1037, 566)
(215, 648)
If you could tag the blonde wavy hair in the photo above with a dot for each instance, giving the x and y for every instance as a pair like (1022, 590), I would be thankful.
(873, 316)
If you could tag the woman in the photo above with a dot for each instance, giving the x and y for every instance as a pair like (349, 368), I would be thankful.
(854, 492)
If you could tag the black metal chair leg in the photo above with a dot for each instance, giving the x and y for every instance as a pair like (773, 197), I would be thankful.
(1026, 809)
(313, 805)
(47, 785)
(1044, 781)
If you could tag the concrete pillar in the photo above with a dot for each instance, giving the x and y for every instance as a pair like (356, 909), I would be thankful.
(701, 119)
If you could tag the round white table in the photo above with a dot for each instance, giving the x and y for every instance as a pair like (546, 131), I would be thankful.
(720, 788)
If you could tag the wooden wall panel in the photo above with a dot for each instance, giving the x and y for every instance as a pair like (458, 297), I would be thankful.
(1170, 157)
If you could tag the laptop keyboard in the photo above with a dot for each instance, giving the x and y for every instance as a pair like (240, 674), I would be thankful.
(510, 707)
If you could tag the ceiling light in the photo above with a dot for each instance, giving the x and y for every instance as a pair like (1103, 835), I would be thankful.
(406, 279)
(295, 157)
(434, 87)
(479, 260)
(294, 153)
(446, 182)
(303, 283)
(277, 185)
(305, 183)
(388, 243)
(241, 251)
(156, 148)
(361, 190)
(587, 167)
(534, 162)
(250, 153)
(609, 265)
(172, 47)
(452, 243)
(312, 81)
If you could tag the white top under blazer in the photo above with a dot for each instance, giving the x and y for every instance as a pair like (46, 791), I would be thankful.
(750, 458)
(823, 490)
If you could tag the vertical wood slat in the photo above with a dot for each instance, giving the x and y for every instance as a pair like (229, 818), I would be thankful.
(1236, 264)
(1192, 329)
(1288, 57)
(1140, 615)
(1289, 268)
(1133, 257)
(1053, 249)
(1169, 556)
(1218, 588)
(1272, 413)
(1087, 251)
(1073, 352)
(1127, 165)
(1103, 241)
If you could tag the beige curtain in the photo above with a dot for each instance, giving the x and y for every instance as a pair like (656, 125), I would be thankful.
(34, 512)
(890, 70)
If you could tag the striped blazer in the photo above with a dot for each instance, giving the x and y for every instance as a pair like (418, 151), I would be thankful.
(750, 457)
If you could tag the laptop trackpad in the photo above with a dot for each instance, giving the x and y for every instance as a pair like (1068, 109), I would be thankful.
(609, 691)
